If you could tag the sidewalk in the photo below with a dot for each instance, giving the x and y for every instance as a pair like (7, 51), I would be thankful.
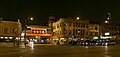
(5, 44)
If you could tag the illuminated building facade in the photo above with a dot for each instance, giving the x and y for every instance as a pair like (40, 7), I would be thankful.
(38, 34)
(9, 30)
(69, 28)
(109, 30)
(51, 20)
(94, 31)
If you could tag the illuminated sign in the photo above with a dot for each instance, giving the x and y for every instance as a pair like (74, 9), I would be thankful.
(95, 37)
(107, 33)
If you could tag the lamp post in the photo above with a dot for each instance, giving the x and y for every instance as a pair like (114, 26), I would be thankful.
(25, 36)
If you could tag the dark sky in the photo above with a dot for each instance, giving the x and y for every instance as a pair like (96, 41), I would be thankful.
(40, 9)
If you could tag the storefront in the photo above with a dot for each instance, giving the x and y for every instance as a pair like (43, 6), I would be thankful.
(40, 38)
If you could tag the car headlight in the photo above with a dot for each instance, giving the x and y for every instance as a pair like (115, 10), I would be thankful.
(86, 43)
(106, 43)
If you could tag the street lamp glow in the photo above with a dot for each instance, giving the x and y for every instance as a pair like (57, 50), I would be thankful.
(23, 34)
(106, 22)
(31, 18)
(78, 18)
(108, 18)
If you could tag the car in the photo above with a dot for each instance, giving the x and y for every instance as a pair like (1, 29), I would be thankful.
(85, 42)
(99, 42)
(93, 43)
(108, 43)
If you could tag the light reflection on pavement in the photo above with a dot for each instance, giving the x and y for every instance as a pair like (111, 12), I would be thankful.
(62, 51)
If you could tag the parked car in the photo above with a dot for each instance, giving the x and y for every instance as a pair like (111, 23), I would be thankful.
(108, 43)
(85, 42)
(93, 43)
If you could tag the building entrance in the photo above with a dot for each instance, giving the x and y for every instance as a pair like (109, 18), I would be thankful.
(44, 40)
(40, 39)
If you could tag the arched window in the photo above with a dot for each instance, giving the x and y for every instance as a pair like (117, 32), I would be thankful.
(14, 30)
(6, 30)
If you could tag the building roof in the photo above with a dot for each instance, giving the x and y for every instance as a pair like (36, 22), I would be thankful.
(36, 26)
(9, 22)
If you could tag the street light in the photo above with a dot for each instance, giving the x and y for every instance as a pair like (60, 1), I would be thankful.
(31, 18)
(78, 18)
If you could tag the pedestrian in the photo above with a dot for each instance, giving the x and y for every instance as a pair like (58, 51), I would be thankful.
(58, 42)
(25, 43)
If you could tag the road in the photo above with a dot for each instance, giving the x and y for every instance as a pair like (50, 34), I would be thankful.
(61, 51)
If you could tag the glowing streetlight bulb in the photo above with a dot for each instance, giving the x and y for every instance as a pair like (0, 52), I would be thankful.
(78, 18)
(108, 18)
(31, 18)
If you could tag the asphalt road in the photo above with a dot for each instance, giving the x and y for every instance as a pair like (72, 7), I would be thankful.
(61, 51)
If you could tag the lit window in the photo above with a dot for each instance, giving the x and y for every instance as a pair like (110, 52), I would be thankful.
(14, 30)
(78, 31)
(106, 22)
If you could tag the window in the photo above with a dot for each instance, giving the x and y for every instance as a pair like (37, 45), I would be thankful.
(73, 31)
(91, 33)
(83, 25)
(96, 33)
(78, 31)
(70, 32)
(14, 30)
(76, 25)
(64, 23)
(61, 24)
(69, 24)
(57, 26)
(6, 30)
(86, 33)
(73, 24)
(96, 28)
(32, 31)
(83, 32)
(87, 26)
(79, 25)
(91, 28)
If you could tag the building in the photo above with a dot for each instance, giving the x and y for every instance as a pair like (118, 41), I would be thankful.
(94, 31)
(109, 29)
(9, 30)
(70, 28)
(38, 34)
(52, 19)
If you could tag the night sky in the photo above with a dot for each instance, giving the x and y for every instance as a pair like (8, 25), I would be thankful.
(93, 10)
